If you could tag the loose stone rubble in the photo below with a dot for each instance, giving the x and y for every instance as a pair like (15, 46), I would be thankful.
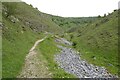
(63, 41)
(69, 60)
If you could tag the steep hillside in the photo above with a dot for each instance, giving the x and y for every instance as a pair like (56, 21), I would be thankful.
(22, 25)
(31, 17)
(0, 39)
(98, 42)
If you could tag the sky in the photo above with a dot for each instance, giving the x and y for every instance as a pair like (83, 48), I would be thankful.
(75, 8)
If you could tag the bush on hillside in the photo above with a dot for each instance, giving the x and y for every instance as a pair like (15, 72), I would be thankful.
(71, 36)
(31, 5)
(105, 15)
(99, 16)
(74, 44)
(11, 8)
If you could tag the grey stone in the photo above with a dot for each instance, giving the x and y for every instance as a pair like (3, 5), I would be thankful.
(70, 61)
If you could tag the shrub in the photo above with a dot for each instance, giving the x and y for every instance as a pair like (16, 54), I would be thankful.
(62, 36)
(31, 5)
(11, 8)
(99, 16)
(71, 36)
(105, 15)
(74, 44)
(115, 10)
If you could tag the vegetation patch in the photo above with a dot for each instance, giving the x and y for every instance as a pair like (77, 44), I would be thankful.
(99, 44)
(16, 43)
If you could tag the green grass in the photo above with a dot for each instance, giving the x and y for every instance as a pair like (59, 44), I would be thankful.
(94, 37)
(16, 44)
(48, 49)
(19, 37)
(0, 56)
(0, 41)
(0, 12)
(99, 41)
(36, 19)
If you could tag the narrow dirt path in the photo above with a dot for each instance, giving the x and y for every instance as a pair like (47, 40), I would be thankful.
(34, 67)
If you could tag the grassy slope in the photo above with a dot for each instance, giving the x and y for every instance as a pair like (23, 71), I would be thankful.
(100, 40)
(15, 47)
(33, 18)
(19, 37)
(0, 11)
(0, 53)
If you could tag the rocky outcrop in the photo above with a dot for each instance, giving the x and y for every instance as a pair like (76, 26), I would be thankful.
(13, 19)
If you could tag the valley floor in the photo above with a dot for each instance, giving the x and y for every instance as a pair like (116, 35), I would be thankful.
(68, 60)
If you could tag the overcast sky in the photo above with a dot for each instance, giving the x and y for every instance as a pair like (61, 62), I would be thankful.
(75, 8)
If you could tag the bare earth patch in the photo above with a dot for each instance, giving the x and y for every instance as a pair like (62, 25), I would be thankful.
(34, 67)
